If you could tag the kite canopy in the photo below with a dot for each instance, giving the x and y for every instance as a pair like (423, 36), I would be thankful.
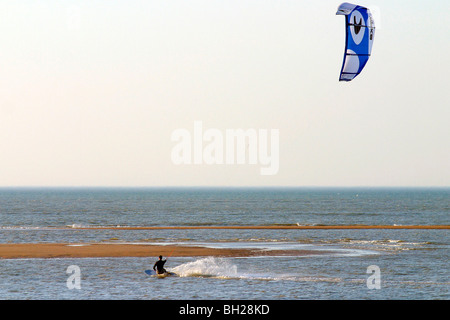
(360, 32)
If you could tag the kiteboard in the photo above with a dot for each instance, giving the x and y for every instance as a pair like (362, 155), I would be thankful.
(159, 275)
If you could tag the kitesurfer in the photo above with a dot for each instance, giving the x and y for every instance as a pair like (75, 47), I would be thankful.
(159, 266)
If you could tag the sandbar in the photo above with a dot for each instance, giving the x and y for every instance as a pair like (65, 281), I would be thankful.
(80, 250)
(273, 227)
(83, 250)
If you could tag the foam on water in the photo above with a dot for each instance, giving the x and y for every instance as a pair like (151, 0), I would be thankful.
(223, 268)
(207, 267)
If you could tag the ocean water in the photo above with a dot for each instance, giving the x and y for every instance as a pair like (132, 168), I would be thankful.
(411, 264)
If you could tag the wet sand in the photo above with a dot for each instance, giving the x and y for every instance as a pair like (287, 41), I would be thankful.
(67, 250)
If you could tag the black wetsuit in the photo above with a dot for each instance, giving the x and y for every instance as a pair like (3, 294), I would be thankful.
(159, 266)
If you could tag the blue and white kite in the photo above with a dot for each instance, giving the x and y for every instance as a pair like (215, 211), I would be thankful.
(360, 32)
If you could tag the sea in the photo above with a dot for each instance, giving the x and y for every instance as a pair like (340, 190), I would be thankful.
(344, 264)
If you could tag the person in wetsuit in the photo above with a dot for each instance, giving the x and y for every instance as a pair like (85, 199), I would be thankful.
(159, 266)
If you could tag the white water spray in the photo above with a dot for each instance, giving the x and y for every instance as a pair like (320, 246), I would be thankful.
(207, 267)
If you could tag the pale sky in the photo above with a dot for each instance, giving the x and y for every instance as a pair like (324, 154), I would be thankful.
(91, 91)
